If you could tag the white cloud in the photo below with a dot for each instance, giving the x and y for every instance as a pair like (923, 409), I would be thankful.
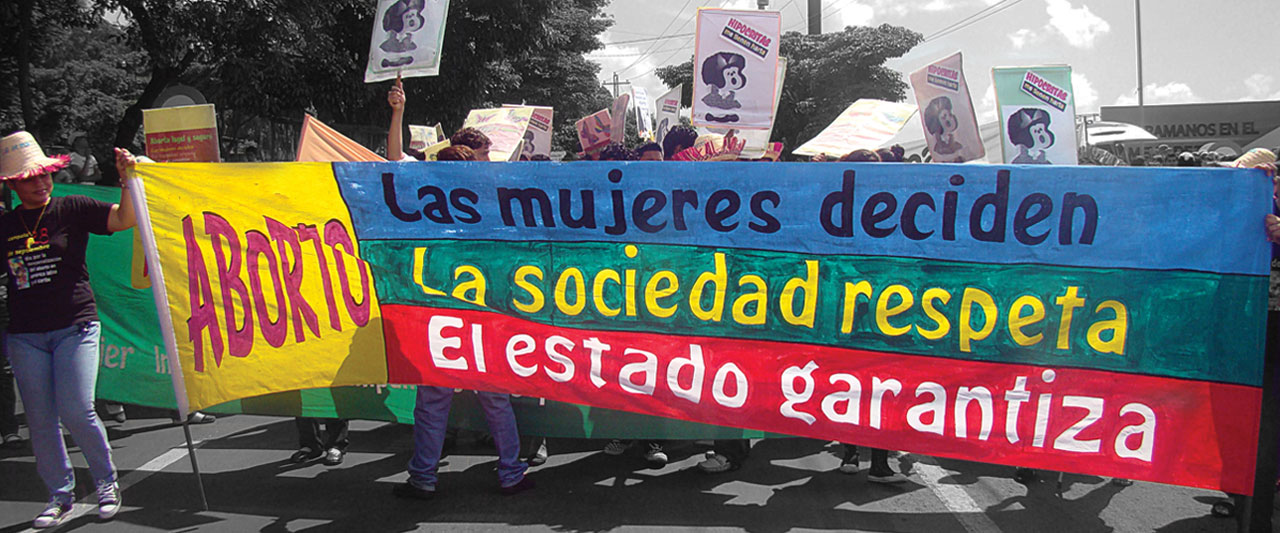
(1086, 96)
(1261, 87)
(939, 5)
(856, 14)
(987, 110)
(1169, 93)
(1019, 38)
(1079, 26)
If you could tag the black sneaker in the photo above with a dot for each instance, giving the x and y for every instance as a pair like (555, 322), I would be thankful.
(410, 491)
(1024, 475)
(525, 484)
(305, 455)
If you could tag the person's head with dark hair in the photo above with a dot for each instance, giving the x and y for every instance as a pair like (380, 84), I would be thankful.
(892, 154)
(938, 118)
(677, 139)
(456, 153)
(474, 139)
(724, 70)
(616, 152)
(861, 155)
(649, 152)
(540, 157)
(1138, 161)
(1029, 128)
(1188, 159)
(416, 154)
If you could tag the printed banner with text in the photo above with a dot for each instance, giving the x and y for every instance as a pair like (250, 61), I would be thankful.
(1045, 317)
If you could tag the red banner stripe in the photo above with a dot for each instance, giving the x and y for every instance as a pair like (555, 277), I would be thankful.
(1181, 432)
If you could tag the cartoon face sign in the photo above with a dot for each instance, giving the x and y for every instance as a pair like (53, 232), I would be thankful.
(1028, 129)
(1041, 137)
(412, 21)
(733, 78)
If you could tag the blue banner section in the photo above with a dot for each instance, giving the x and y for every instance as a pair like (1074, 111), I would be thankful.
(1144, 218)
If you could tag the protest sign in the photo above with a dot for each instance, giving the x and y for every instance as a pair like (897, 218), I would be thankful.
(820, 310)
(182, 134)
(669, 111)
(757, 141)
(537, 139)
(946, 111)
(594, 131)
(644, 112)
(1037, 115)
(618, 126)
(319, 142)
(734, 68)
(420, 137)
(505, 128)
(867, 123)
(408, 36)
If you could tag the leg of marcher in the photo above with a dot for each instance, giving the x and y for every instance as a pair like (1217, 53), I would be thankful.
(75, 377)
(430, 418)
(33, 368)
(336, 430)
(8, 399)
(880, 471)
(506, 436)
(309, 447)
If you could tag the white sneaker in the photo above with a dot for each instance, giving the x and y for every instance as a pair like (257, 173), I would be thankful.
(715, 464)
(54, 515)
(655, 454)
(615, 447)
(108, 499)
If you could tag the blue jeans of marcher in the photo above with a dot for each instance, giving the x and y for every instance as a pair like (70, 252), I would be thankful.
(431, 419)
(56, 373)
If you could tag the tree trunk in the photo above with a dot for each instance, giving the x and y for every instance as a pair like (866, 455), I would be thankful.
(127, 129)
(25, 14)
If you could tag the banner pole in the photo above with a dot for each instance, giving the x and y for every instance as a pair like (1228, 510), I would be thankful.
(1256, 511)
(138, 194)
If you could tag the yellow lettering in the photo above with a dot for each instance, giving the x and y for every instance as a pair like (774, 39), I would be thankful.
(810, 287)
(597, 291)
(884, 312)
(571, 275)
(652, 293)
(717, 278)
(1069, 302)
(967, 333)
(1017, 320)
(475, 286)
(1119, 327)
(944, 325)
(851, 293)
(536, 299)
(760, 298)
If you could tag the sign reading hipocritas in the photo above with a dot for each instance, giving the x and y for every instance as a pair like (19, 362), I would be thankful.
(991, 213)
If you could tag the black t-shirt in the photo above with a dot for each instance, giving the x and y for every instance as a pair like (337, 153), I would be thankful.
(48, 279)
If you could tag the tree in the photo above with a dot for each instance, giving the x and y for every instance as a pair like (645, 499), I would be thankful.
(825, 73)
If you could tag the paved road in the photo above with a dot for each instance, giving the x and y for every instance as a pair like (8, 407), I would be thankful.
(789, 484)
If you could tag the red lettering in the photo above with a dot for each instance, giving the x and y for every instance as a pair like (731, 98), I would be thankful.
(336, 234)
(274, 331)
(309, 233)
(299, 309)
(239, 340)
(203, 313)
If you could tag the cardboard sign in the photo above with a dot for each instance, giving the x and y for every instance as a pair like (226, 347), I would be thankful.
(594, 131)
(505, 127)
(668, 114)
(735, 68)
(186, 134)
(408, 36)
(644, 112)
(758, 144)
(618, 127)
(537, 139)
(867, 123)
(420, 137)
(1037, 115)
(946, 112)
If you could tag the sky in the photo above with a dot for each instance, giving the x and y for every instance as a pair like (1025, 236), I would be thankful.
(1193, 51)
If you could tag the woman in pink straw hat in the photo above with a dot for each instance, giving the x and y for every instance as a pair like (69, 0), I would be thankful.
(53, 330)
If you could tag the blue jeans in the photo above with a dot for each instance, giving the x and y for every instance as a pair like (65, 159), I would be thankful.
(57, 372)
(431, 419)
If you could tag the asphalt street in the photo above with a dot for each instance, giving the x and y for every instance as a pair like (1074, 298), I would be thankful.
(787, 485)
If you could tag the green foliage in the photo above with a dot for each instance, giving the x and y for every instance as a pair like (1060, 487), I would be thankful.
(825, 74)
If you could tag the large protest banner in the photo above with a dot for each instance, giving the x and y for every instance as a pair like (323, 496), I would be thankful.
(1037, 114)
(1046, 317)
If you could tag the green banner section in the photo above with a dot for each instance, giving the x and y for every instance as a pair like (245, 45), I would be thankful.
(1101, 319)
(134, 369)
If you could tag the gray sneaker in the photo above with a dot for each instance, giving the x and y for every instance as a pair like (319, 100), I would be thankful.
(53, 515)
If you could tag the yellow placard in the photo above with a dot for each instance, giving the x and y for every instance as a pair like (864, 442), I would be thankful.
(267, 291)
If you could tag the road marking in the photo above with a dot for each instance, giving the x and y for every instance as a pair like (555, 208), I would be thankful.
(89, 503)
(967, 512)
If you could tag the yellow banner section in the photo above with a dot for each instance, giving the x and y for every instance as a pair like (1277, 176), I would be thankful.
(266, 288)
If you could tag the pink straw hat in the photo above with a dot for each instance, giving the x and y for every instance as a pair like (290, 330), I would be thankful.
(21, 158)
